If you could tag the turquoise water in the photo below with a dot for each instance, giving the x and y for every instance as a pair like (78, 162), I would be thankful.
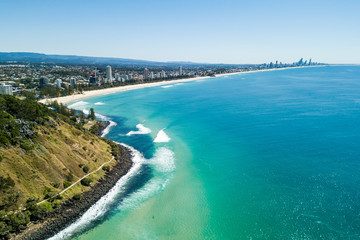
(265, 155)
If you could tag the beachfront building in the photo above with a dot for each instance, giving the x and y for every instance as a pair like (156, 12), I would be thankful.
(73, 82)
(180, 71)
(58, 82)
(6, 89)
(152, 75)
(108, 75)
(146, 74)
(117, 77)
(163, 74)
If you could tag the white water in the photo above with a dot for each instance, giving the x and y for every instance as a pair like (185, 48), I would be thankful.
(162, 137)
(108, 128)
(99, 103)
(141, 130)
(167, 86)
(77, 105)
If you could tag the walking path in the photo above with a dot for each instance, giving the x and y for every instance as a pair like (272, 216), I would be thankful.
(77, 181)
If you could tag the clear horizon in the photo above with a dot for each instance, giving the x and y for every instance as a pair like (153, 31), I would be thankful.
(231, 32)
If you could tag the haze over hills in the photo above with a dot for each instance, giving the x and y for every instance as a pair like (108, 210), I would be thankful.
(73, 59)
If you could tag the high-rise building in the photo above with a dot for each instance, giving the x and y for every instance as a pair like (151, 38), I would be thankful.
(146, 74)
(108, 75)
(73, 82)
(58, 82)
(6, 89)
(44, 81)
(163, 74)
(152, 75)
(117, 77)
(180, 71)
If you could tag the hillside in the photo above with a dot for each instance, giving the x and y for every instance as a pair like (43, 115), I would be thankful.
(42, 153)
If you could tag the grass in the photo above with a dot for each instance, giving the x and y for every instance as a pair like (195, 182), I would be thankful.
(55, 154)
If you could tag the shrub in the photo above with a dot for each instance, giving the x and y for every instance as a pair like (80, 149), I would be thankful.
(81, 165)
(9, 200)
(6, 183)
(27, 145)
(86, 182)
(67, 184)
(1, 157)
(106, 168)
(77, 196)
(37, 212)
(69, 177)
(18, 221)
(86, 169)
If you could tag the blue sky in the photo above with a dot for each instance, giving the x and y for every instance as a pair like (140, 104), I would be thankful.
(226, 31)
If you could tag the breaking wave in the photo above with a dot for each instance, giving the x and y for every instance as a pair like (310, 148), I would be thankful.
(77, 105)
(108, 128)
(141, 130)
(162, 137)
(99, 103)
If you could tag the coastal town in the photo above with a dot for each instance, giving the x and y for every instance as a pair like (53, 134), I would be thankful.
(42, 80)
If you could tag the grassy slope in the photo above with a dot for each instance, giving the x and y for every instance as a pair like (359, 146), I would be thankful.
(57, 152)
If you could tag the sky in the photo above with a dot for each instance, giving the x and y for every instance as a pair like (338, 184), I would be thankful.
(208, 31)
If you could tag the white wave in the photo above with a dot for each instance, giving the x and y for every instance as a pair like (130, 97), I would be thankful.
(85, 111)
(162, 137)
(163, 161)
(107, 129)
(100, 207)
(142, 130)
(167, 86)
(102, 117)
(177, 84)
(77, 105)
(99, 103)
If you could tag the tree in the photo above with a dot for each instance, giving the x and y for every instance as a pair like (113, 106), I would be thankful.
(91, 114)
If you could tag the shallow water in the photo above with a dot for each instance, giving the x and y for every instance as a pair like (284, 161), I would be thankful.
(266, 155)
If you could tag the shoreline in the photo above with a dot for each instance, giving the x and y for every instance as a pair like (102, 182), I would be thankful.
(71, 210)
(93, 93)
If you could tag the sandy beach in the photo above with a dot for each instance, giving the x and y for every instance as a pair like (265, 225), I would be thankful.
(93, 93)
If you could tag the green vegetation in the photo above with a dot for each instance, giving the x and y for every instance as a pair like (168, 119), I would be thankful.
(106, 168)
(77, 196)
(91, 114)
(86, 169)
(86, 182)
(43, 150)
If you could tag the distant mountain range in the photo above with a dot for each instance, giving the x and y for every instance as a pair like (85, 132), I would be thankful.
(28, 57)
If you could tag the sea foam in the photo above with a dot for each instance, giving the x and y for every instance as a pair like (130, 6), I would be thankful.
(141, 130)
(77, 105)
(162, 137)
(167, 86)
(108, 128)
(99, 103)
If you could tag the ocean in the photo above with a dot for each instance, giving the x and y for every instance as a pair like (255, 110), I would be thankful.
(260, 155)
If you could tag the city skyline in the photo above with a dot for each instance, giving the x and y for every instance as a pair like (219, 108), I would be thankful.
(231, 32)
